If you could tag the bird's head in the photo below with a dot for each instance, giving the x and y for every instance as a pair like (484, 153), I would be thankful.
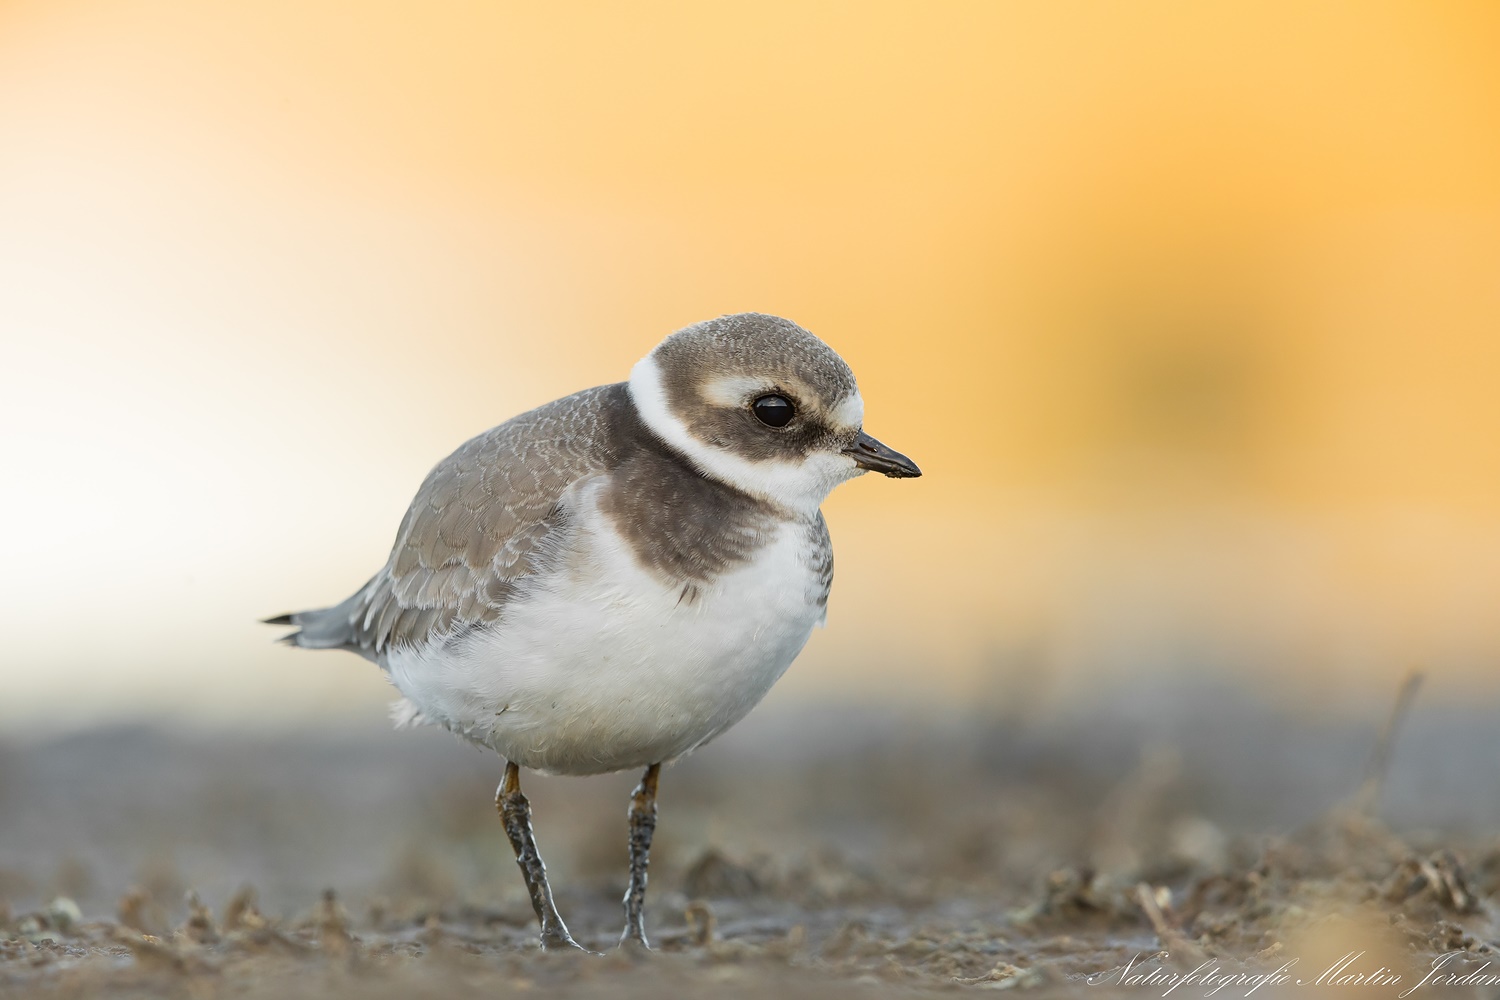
(759, 403)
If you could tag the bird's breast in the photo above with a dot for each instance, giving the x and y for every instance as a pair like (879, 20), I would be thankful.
(610, 663)
(679, 524)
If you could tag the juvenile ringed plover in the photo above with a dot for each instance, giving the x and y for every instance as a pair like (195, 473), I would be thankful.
(615, 578)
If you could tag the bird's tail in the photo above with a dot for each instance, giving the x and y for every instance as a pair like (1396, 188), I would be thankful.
(321, 628)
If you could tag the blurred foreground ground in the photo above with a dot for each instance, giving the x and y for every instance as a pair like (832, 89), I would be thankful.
(818, 852)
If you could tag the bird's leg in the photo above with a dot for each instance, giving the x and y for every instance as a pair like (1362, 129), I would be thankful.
(515, 811)
(642, 824)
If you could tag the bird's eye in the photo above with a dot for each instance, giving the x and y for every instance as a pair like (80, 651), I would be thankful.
(773, 410)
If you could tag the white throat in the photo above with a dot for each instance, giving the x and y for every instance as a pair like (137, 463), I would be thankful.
(800, 487)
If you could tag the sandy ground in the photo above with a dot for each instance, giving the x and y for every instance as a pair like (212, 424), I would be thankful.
(814, 852)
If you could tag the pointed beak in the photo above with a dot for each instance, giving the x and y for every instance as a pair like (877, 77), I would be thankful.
(871, 454)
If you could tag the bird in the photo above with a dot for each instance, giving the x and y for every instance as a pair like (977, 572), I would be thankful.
(611, 580)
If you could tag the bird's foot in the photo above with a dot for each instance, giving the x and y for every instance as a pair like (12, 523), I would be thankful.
(633, 940)
(558, 939)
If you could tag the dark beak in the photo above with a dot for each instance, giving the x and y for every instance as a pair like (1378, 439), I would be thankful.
(871, 454)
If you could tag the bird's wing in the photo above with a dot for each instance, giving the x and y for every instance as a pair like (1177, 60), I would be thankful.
(487, 517)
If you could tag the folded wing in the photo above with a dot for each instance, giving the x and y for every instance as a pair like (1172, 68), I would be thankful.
(487, 518)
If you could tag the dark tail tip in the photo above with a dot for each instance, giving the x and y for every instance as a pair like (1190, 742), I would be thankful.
(278, 620)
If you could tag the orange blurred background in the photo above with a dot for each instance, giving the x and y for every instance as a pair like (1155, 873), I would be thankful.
(1190, 313)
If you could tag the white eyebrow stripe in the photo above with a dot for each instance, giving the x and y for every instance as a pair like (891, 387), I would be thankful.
(732, 390)
(851, 411)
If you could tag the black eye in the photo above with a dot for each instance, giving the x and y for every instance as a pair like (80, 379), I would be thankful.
(773, 411)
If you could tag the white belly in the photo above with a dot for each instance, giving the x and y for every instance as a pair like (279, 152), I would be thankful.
(602, 667)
